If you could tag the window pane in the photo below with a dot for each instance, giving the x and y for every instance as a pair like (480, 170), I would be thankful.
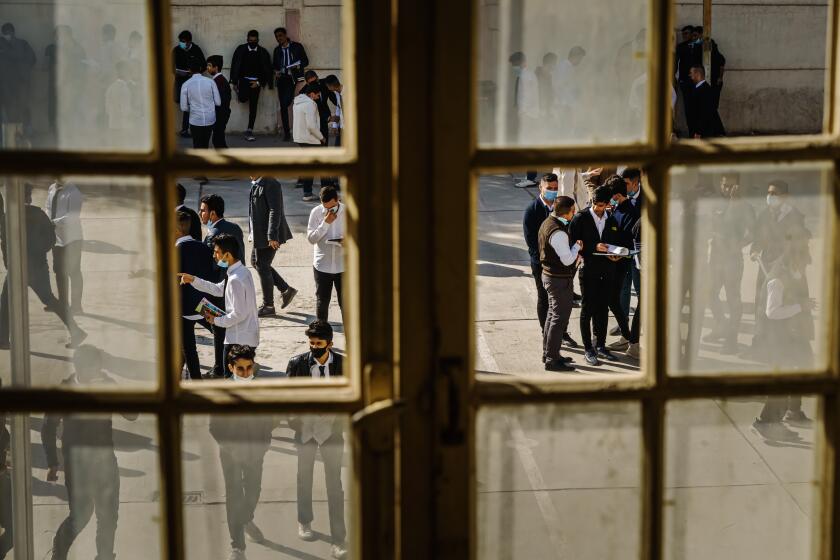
(286, 477)
(91, 268)
(762, 86)
(288, 287)
(95, 488)
(315, 32)
(522, 313)
(558, 72)
(76, 76)
(558, 481)
(747, 264)
(740, 483)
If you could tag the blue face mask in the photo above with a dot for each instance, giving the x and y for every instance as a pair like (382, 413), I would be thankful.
(564, 221)
(613, 202)
(517, 70)
(222, 263)
(550, 195)
(183, 45)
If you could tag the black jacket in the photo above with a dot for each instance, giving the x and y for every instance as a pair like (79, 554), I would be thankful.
(535, 215)
(195, 221)
(196, 259)
(299, 366)
(268, 217)
(323, 108)
(265, 73)
(224, 93)
(583, 228)
(181, 59)
(40, 232)
(626, 215)
(229, 228)
(296, 53)
(701, 114)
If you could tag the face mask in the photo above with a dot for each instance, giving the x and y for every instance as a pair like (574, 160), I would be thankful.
(613, 202)
(564, 221)
(237, 378)
(550, 195)
(222, 263)
(183, 45)
(772, 200)
(8, 37)
(517, 70)
(318, 352)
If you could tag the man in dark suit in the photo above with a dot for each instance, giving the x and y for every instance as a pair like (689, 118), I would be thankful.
(212, 214)
(633, 179)
(195, 221)
(214, 68)
(184, 55)
(689, 54)
(197, 259)
(626, 215)
(703, 118)
(290, 62)
(596, 229)
(718, 63)
(250, 71)
(324, 432)
(269, 230)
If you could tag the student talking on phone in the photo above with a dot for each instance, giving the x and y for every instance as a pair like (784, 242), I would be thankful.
(326, 232)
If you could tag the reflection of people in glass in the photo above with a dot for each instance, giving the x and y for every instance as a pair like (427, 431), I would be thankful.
(7, 540)
(65, 60)
(16, 62)
(64, 207)
(324, 432)
(184, 56)
(40, 239)
(243, 443)
(91, 472)
(526, 99)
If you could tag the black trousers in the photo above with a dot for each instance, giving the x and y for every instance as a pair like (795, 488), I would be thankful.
(93, 485)
(67, 266)
(324, 282)
(252, 96)
(191, 352)
(594, 307)
(243, 485)
(620, 271)
(635, 325)
(727, 272)
(7, 540)
(306, 182)
(542, 294)
(185, 121)
(201, 135)
(286, 96)
(261, 259)
(331, 453)
(222, 118)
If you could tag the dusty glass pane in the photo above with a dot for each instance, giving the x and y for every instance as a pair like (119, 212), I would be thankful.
(562, 72)
(75, 75)
(740, 483)
(267, 486)
(95, 488)
(558, 481)
(749, 248)
(91, 271)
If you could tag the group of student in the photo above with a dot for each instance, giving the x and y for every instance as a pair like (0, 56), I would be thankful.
(205, 101)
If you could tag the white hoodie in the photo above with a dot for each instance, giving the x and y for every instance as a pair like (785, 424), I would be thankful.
(306, 127)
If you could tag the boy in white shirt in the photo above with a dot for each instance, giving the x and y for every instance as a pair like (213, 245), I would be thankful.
(326, 232)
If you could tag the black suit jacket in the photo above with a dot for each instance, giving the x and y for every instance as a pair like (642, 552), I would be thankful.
(265, 72)
(195, 221)
(229, 228)
(535, 215)
(299, 366)
(224, 93)
(296, 53)
(702, 116)
(268, 216)
(583, 228)
(688, 55)
(182, 60)
(197, 259)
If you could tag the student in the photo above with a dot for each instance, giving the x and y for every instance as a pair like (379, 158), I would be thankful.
(526, 103)
(701, 112)
(64, 207)
(240, 319)
(325, 231)
(558, 259)
(626, 216)
(184, 56)
(91, 472)
(289, 63)
(324, 113)
(199, 98)
(250, 71)
(195, 221)
(214, 68)
(243, 442)
(319, 433)
(337, 120)
(307, 129)
(120, 106)
(211, 212)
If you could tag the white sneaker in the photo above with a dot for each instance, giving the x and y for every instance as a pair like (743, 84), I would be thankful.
(620, 344)
(236, 554)
(339, 551)
(249, 136)
(633, 350)
(525, 183)
(305, 532)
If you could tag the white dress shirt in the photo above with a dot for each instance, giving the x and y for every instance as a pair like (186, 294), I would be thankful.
(240, 319)
(64, 207)
(200, 97)
(776, 310)
(559, 241)
(600, 223)
(338, 112)
(328, 255)
(315, 368)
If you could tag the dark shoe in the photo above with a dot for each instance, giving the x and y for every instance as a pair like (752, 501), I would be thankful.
(287, 137)
(798, 419)
(606, 354)
(558, 365)
(76, 339)
(288, 296)
(591, 358)
(714, 336)
(615, 331)
(266, 311)
(185, 134)
(775, 431)
(254, 532)
(569, 341)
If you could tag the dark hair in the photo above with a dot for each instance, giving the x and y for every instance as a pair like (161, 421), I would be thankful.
(185, 36)
(631, 173)
(781, 186)
(577, 51)
(617, 185)
(562, 205)
(320, 329)
(328, 193)
(135, 35)
(195, 66)
(109, 29)
(216, 60)
(88, 359)
(182, 193)
(183, 222)
(733, 177)
(227, 244)
(310, 74)
(549, 178)
(331, 80)
(549, 58)
(602, 194)
(8, 28)
(280, 30)
(700, 69)
(698, 29)
(688, 28)
(240, 352)
(215, 203)
(517, 58)
(310, 88)
(253, 33)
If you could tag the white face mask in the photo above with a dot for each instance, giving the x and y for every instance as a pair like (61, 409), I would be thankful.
(243, 379)
(7, 36)
(772, 201)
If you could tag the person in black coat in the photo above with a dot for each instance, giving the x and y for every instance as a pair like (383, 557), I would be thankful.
(290, 62)
(597, 273)
(211, 211)
(324, 112)
(195, 221)
(703, 118)
(689, 53)
(269, 230)
(626, 215)
(250, 71)
(184, 55)
(214, 68)
(319, 432)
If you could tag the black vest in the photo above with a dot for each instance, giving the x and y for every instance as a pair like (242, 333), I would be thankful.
(551, 263)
